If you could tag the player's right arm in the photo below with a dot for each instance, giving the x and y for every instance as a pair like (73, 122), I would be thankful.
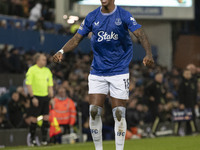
(69, 46)
(84, 29)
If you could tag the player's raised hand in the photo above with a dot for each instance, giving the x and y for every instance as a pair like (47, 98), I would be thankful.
(58, 57)
(148, 60)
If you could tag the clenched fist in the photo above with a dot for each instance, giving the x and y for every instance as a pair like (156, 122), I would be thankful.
(148, 60)
(57, 57)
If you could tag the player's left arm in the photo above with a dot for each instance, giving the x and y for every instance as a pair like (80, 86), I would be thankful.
(141, 36)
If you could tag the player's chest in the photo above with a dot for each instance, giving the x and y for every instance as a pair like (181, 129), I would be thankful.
(107, 24)
(107, 29)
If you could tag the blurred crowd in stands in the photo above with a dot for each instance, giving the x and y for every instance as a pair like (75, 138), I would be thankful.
(154, 91)
(32, 15)
(40, 25)
(25, 8)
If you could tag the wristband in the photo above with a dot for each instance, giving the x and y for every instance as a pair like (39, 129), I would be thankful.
(61, 51)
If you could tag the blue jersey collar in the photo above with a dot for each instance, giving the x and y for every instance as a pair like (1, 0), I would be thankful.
(107, 14)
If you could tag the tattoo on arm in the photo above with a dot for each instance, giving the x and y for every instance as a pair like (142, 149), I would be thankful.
(139, 33)
(72, 43)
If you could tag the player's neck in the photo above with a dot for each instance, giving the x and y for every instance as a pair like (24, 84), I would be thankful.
(107, 9)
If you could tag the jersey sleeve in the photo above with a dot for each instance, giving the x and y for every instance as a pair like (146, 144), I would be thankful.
(85, 27)
(50, 82)
(29, 77)
(131, 22)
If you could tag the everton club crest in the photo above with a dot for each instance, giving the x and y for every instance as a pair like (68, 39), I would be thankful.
(118, 21)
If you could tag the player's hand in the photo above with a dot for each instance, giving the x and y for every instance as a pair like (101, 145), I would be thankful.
(57, 57)
(148, 60)
(35, 102)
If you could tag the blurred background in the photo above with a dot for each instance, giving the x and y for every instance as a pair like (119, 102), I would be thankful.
(173, 28)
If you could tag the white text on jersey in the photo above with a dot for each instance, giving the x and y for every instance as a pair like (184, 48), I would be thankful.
(105, 36)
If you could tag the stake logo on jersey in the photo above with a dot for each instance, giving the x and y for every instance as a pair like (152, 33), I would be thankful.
(111, 43)
(105, 36)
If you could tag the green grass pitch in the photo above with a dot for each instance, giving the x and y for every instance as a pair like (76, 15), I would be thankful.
(163, 143)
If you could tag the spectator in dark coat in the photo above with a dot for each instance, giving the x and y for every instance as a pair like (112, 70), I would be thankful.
(4, 123)
(131, 114)
(16, 111)
(5, 65)
(155, 93)
(187, 91)
(15, 61)
(188, 97)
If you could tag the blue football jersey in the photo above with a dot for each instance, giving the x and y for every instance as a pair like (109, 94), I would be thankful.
(111, 43)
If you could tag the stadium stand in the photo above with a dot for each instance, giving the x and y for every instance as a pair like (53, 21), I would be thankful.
(72, 75)
(16, 55)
